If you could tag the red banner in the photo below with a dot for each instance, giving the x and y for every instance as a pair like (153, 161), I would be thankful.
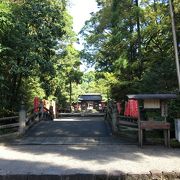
(131, 108)
(36, 104)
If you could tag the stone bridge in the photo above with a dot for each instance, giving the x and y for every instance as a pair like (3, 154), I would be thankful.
(72, 131)
(83, 148)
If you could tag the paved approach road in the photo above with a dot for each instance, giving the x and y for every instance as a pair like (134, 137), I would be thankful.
(85, 146)
(73, 130)
(71, 127)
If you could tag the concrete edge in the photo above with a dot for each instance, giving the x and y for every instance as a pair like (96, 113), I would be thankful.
(106, 176)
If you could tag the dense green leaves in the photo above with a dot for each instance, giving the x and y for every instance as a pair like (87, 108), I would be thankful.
(35, 36)
(133, 40)
(129, 42)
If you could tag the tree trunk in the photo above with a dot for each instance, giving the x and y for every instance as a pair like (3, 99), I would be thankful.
(139, 41)
(175, 42)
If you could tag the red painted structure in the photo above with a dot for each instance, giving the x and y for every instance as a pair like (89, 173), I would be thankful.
(131, 108)
(36, 104)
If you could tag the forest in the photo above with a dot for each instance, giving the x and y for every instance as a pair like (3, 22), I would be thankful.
(128, 42)
(133, 40)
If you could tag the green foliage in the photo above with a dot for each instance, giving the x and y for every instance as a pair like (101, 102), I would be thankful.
(35, 38)
(128, 42)
(133, 40)
(175, 144)
(32, 88)
(94, 82)
(68, 73)
(121, 89)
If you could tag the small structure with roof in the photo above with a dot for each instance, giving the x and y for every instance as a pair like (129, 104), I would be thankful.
(153, 102)
(90, 101)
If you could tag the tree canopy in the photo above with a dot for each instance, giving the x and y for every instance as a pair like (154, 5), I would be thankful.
(129, 42)
(133, 40)
(36, 37)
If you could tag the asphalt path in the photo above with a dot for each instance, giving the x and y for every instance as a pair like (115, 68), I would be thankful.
(72, 131)
(71, 127)
(82, 146)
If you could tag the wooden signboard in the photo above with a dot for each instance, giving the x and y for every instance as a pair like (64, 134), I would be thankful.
(151, 104)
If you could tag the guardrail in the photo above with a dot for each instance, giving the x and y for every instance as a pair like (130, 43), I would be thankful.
(118, 122)
(17, 124)
(9, 125)
(20, 124)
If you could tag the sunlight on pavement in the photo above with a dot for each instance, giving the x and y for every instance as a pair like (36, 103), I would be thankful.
(91, 159)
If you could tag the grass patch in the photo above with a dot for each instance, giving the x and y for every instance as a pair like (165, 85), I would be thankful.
(174, 143)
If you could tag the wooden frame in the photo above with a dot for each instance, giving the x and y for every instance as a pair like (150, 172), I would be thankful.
(154, 125)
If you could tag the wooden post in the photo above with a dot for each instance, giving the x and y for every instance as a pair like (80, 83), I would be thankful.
(22, 119)
(107, 112)
(37, 117)
(141, 137)
(54, 108)
(166, 137)
(140, 134)
(164, 110)
(41, 109)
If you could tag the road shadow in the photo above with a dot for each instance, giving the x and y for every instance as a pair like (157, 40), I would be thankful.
(80, 158)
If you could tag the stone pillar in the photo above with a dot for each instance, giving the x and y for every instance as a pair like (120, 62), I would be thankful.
(54, 108)
(113, 111)
(114, 120)
(22, 119)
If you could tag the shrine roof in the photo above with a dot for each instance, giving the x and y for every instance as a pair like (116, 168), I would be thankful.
(152, 96)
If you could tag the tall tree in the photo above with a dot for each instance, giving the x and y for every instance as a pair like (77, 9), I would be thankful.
(132, 40)
(30, 38)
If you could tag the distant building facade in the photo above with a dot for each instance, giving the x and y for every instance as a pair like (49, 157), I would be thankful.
(90, 101)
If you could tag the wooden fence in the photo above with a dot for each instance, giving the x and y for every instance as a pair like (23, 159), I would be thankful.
(118, 121)
(17, 125)
(9, 125)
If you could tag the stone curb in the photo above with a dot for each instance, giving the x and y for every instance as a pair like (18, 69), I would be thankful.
(116, 176)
